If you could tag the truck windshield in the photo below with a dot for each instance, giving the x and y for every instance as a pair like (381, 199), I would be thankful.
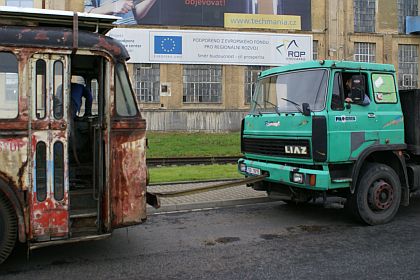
(287, 92)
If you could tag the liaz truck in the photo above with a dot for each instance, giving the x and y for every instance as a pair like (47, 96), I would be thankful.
(334, 128)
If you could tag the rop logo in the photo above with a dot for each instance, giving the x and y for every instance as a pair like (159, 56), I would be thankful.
(291, 49)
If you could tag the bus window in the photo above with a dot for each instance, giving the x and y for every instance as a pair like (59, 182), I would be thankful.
(58, 90)
(9, 86)
(58, 171)
(41, 89)
(94, 89)
(125, 103)
(41, 171)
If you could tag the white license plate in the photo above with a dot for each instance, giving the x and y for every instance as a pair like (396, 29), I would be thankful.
(253, 171)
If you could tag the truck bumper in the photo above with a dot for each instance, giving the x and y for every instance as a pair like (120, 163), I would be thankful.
(288, 175)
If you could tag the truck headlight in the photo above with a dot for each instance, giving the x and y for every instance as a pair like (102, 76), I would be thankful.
(297, 178)
(242, 167)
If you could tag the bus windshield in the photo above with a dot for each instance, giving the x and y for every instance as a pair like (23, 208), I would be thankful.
(287, 92)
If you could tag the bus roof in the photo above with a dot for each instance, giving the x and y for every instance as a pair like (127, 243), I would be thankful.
(333, 64)
(39, 28)
(43, 17)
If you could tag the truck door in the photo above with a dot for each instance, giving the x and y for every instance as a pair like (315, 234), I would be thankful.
(351, 129)
(49, 203)
(128, 163)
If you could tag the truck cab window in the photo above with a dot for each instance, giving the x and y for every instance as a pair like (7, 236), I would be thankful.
(384, 88)
(125, 103)
(337, 101)
(355, 89)
(9, 86)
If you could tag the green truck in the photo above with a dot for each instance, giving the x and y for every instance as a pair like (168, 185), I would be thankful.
(334, 128)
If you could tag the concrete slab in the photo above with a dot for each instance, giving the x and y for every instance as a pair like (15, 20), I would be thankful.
(219, 198)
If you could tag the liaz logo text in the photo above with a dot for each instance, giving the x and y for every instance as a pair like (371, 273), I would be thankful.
(296, 150)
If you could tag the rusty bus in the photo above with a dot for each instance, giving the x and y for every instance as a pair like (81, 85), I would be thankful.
(65, 179)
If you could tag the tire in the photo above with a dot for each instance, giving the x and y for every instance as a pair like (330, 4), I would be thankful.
(8, 228)
(377, 197)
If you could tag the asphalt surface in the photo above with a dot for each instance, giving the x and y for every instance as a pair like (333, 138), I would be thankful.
(262, 241)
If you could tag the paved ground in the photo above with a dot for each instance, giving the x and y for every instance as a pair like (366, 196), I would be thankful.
(226, 197)
(264, 241)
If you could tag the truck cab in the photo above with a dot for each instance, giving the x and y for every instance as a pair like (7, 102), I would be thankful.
(324, 128)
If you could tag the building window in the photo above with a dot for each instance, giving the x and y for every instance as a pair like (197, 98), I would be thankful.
(147, 82)
(20, 3)
(408, 69)
(406, 8)
(251, 75)
(202, 83)
(364, 15)
(315, 50)
(364, 52)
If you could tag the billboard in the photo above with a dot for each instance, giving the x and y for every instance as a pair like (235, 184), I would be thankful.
(262, 21)
(196, 12)
(213, 47)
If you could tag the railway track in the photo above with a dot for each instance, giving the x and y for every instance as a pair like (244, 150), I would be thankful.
(190, 161)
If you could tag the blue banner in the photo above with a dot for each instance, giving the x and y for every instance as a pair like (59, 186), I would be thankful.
(168, 44)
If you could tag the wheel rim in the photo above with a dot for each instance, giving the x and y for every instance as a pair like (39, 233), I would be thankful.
(381, 196)
(2, 234)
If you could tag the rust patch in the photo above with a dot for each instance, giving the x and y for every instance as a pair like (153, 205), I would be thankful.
(42, 36)
(13, 125)
(21, 173)
(128, 177)
(103, 43)
(49, 218)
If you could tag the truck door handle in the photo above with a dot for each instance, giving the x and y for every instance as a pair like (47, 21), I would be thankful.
(371, 115)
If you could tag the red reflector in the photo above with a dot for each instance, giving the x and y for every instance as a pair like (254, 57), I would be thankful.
(312, 180)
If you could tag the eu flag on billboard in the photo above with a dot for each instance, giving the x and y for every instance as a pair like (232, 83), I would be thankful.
(168, 44)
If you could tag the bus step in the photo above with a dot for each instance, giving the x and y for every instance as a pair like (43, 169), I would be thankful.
(83, 213)
(82, 199)
(34, 246)
(83, 231)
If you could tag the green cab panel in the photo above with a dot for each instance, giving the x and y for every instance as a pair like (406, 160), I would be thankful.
(353, 106)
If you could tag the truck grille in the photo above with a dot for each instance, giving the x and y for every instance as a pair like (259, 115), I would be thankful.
(277, 147)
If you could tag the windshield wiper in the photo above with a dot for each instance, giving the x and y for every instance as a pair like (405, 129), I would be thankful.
(276, 108)
(298, 106)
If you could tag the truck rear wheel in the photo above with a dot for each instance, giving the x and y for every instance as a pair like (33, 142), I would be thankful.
(377, 196)
(8, 228)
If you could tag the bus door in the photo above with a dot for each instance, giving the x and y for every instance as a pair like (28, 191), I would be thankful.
(128, 164)
(49, 201)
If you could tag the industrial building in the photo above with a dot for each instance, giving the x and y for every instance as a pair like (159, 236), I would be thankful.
(195, 96)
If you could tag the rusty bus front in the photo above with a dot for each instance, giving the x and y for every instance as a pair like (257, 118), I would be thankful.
(66, 177)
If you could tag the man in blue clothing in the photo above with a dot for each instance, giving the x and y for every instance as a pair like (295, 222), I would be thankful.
(77, 92)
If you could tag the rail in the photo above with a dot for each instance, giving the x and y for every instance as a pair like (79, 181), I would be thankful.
(190, 161)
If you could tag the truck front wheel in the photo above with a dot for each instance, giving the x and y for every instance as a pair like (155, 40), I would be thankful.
(377, 196)
(8, 228)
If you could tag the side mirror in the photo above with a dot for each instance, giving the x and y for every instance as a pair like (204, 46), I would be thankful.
(357, 91)
(306, 110)
(357, 94)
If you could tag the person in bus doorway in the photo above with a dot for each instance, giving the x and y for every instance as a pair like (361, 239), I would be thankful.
(78, 92)
(354, 87)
